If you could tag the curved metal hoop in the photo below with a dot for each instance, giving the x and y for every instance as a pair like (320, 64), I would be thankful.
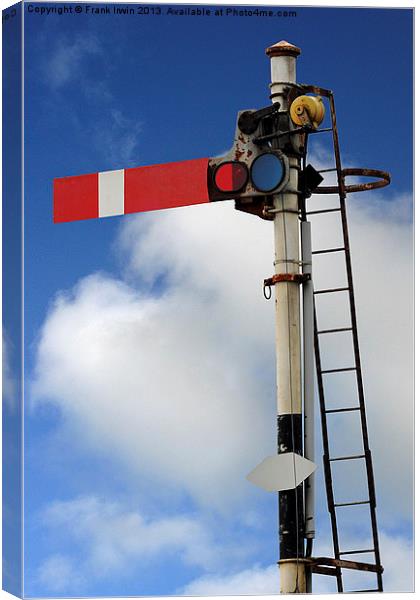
(384, 179)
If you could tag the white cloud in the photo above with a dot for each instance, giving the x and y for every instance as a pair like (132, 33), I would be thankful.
(79, 63)
(384, 277)
(167, 383)
(254, 581)
(67, 60)
(118, 137)
(112, 533)
(56, 573)
(381, 244)
(180, 385)
(109, 537)
(396, 555)
(9, 384)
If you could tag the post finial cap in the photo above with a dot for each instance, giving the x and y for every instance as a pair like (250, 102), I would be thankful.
(282, 48)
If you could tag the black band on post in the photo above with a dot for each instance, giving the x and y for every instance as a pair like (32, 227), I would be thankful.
(291, 517)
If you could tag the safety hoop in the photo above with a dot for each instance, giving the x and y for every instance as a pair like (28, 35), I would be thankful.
(384, 179)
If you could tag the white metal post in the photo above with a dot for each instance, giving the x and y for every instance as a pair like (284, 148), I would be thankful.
(288, 338)
(308, 384)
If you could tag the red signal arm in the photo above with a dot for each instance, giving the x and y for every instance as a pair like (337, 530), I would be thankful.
(131, 190)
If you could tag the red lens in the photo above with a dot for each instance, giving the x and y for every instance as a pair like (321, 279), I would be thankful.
(231, 176)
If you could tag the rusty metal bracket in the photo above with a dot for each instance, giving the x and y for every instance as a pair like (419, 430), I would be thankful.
(383, 179)
(287, 277)
(320, 565)
(281, 278)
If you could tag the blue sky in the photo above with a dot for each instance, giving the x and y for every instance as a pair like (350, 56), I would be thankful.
(150, 370)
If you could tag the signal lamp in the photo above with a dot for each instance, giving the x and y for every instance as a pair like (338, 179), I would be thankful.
(267, 172)
(231, 176)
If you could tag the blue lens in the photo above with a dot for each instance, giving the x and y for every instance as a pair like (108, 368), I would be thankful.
(267, 172)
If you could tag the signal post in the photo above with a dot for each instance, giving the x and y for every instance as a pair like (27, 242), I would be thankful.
(288, 336)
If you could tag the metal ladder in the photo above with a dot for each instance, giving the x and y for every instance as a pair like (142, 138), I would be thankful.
(329, 566)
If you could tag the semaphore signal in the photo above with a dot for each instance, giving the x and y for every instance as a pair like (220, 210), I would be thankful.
(267, 174)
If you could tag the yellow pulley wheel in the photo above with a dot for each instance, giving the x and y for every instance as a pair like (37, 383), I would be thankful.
(307, 110)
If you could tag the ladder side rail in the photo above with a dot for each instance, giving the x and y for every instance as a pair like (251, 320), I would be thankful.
(327, 463)
(363, 418)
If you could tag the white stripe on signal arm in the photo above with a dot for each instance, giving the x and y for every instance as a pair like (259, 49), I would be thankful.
(111, 193)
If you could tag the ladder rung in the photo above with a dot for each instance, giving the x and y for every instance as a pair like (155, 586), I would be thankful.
(328, 250)
(357, 551)
(338, 410)
(352, 503)
(362, 591)
(337, 330)
(353, 457)
(328, 170)
(339, 370)
(331, 290)
(324, 210)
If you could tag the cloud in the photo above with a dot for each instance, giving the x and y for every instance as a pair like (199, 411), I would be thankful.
(381, 245)
(113, 534)
(194, 364)
(186, 385)
(254, 581)
(67, 60)
(191, 411)
(396, 554)
(56, 573)
(9, 384)
(384, 255)
(111, 538)
(77, 70)
(170, 368)
(118, 138)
